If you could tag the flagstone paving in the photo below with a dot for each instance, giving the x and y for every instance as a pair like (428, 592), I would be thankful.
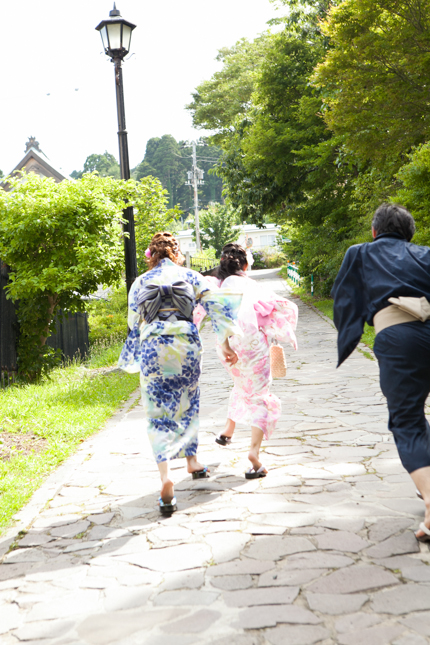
(320, 551)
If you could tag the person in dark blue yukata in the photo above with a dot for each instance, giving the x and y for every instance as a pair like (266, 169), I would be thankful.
(386, 283)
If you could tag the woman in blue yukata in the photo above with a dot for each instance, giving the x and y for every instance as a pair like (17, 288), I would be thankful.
(164, 344)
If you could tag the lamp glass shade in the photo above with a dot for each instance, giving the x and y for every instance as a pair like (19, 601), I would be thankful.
(105, 41)
(126, 37)
(114, 32)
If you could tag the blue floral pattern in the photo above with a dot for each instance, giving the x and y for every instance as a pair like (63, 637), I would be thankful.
(168, 356)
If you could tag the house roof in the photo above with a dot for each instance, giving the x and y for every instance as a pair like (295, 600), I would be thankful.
(253, 228)
(35, 160)
(245, 228)
(185, 233)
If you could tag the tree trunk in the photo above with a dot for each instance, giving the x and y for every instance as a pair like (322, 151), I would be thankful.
(52, 304)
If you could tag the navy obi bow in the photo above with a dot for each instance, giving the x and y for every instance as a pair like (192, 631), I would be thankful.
(153, 297)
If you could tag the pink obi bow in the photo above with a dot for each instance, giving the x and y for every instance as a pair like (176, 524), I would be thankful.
(263, 310)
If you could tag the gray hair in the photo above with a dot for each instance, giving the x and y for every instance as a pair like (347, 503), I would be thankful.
(393, 218)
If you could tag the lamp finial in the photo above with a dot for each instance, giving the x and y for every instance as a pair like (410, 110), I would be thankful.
(115, 11)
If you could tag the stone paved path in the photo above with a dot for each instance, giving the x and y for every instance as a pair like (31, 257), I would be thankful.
(320, 551)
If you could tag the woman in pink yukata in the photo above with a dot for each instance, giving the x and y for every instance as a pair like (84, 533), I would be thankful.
(263, 316)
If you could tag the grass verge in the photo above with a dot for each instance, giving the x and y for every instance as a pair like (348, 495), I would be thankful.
(50, 419)
(325, 305)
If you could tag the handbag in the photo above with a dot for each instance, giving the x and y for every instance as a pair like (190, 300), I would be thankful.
(278, 364)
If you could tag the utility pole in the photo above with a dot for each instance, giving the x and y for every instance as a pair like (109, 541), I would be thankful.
(195, 179)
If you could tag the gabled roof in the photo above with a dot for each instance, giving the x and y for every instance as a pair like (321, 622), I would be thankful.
(36, 161)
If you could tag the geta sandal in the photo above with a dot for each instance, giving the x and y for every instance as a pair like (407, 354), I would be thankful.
(167, 508)
(201, 474)
(426, 531)
(223, 440)
(256, 474)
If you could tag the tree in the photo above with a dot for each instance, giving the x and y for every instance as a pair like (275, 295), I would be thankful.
(265, 169)
(163, 160)
(62, 241)
(217, 103)
(169, 161)
(372, 78)
(414, 191)
(106, 165)
(280, 160)
(216, 227)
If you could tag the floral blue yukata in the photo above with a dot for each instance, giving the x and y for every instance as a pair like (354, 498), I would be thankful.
(168, 355)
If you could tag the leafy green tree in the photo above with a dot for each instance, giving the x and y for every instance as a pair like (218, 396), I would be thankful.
(372, 76)
(217, 103)
(266, 168)
(414, 191)
(280, 160)
(331, 112)
(216, 227)
(162, 160)
(169, 161)
(106, 165)
(264, 131)
(62, 241)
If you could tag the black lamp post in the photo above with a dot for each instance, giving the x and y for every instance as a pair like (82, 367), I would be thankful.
(116, 37)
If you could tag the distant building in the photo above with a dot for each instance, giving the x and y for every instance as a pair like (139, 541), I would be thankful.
(36, 161)
(185, 239)
(257, 238)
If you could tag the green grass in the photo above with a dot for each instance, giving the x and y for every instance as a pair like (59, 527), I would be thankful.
(104, 353)
(64, 410)
(326, 307)
(283, 273)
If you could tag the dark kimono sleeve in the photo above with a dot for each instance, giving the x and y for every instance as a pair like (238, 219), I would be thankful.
(349, 312)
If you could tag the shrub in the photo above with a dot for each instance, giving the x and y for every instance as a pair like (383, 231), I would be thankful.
(259, 260)
(269, 257)
(216, 227)
(62, 241)
(107, 319)
(273, 257)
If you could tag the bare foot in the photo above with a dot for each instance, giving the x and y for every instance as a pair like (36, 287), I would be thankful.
(193, 465)
(167, 491)
(421, 534)
(421, 478)
(254, 451)
(256, 463)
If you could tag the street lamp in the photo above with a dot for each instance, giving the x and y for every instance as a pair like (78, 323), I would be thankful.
(116, 38)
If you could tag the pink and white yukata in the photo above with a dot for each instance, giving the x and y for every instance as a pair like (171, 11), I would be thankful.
(263, 316)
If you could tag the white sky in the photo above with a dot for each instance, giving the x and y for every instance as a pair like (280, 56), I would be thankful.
(51, 46)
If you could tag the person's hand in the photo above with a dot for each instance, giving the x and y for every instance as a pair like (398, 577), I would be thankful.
(228, 353)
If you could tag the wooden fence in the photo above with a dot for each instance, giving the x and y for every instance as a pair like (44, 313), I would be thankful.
(8, 332)
(71, 334)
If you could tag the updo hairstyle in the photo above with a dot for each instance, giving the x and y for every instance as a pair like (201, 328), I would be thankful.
(233, 261)
(164, 245)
